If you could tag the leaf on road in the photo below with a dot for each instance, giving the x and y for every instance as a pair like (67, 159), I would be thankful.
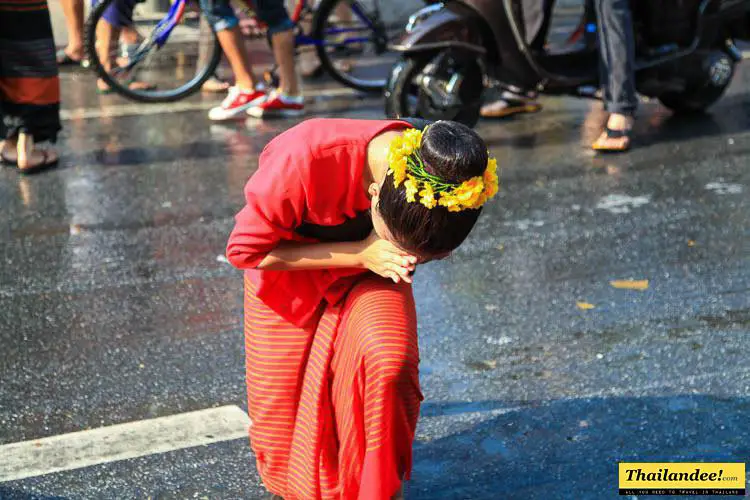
(691, 243)
(630, 284)
(585, 305)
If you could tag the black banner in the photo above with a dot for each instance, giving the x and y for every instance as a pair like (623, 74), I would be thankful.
(684, 491)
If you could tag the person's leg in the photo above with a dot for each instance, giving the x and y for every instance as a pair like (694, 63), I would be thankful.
(73, 12)
(375, 388)
(116, 23)
(287, 101)
(227, 26)
(245, 93)
(537, 16)
(276, 353)
(283, 52)
(106, 39)
(617, 72)
(205, 46)
(29, 87)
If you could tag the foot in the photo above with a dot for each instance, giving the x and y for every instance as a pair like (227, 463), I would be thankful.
(237, 101)
(103, 88)
(617, 136)
(216, 85)
(32, 158)
(311, 70)
(507, 107)
(8, 152)
(279, 105)
(69, 56)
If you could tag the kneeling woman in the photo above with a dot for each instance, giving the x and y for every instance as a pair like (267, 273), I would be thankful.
(338, 215)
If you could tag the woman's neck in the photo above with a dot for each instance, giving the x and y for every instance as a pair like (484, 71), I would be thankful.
(376, 165)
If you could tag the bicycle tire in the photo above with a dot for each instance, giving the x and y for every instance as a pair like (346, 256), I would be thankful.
(320, 19)
(145, 96)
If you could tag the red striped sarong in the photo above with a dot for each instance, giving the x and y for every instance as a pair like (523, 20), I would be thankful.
(29, 84)
(334, 406)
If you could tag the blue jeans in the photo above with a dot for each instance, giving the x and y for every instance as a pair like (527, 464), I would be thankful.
(221, 16)
(617, 55)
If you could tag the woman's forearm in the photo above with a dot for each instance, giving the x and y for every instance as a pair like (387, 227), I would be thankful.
(290, 256)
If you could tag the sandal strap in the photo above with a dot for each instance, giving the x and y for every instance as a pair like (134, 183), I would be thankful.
(618, 134)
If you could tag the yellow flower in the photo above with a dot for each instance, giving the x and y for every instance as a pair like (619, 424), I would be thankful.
(398, 169)
(412, 140)
(427, 196)
(450, 202)
(412, 187)
(469, 192)
(490, 179)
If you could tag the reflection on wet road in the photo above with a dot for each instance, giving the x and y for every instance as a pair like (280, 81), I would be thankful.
(539, 374)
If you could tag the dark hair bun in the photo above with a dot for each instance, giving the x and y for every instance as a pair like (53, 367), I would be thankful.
(453, 151)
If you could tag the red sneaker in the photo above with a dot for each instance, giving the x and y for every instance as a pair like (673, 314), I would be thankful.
(235, 103)
(278, 105)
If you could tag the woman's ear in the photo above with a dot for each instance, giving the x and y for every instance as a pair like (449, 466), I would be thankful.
(374, 189)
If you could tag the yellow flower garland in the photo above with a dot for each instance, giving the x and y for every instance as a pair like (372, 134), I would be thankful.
(407, 168)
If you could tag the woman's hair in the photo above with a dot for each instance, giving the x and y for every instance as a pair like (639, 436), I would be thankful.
(455, 153)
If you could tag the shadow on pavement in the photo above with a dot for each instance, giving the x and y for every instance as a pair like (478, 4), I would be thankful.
(570, 448)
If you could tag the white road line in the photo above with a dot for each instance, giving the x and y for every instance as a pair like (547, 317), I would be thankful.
(121, 442)
(140, 109)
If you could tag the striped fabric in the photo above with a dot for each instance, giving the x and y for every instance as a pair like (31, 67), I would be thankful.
(334, 406)
(29, 85)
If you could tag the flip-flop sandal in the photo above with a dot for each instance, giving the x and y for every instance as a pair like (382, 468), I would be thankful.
(615, 134)
(44, 165)
(513, 108)
(63, 59)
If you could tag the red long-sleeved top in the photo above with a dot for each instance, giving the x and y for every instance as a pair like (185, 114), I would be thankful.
(310, 173)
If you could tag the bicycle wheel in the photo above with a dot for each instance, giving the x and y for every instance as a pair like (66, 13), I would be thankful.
(149, 59)
(352, 42)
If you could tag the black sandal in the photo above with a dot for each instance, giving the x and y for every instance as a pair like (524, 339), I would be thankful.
(615, 134)
(44, 165)
(63, 59)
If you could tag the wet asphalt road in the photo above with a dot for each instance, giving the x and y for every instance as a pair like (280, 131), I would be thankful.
(115, 306)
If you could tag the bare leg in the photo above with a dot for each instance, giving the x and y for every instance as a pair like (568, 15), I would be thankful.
(73, 11)
(231, 43)
(129, 35)
(283, 51)
(106, 35)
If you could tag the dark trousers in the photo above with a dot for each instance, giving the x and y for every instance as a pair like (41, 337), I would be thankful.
(616, 55)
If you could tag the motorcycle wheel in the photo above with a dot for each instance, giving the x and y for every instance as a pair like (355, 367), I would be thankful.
(698, 96)
(405, 96)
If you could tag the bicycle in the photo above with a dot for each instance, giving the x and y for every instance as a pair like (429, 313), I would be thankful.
(362, 41)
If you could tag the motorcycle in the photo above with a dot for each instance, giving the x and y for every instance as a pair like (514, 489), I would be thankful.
(452, 51)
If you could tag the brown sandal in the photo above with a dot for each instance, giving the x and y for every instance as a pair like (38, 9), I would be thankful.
(614, 134)
(512, 107)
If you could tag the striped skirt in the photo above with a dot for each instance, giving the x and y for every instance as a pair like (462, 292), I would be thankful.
(29, 85)
(334, 407)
